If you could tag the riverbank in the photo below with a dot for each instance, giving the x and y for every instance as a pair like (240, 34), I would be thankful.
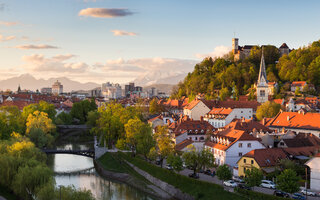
(6, 194)
(111, 167)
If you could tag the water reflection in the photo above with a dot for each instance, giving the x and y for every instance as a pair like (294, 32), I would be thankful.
(100, 187)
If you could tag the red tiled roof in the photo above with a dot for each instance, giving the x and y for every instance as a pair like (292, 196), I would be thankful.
(298, 83)
(220, 111)
(19, 104)
(157, 117)
(267, 157)
(303, 140)
(278, 101)
(183, 144)
(301, 120)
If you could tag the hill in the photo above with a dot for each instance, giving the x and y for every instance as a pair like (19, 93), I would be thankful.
(237, 78)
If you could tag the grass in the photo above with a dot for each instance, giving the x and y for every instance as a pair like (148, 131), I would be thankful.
(196, 188)
(113, 162)
(6, 193)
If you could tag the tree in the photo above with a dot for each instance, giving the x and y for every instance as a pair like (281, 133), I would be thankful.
(40, 138)
(175, 161)
(198, 159)
(81, 109)
(224, 93)
(154, 107)
(287, 181)
(253, 177)
(164, 144)
(11, 120)
(64, 118)
(42, 106)
(40, 120)
(297, 91)
(134, 128)
(268, 109)
(223, 172)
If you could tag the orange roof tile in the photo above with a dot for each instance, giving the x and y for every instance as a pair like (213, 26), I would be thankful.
(301, 120)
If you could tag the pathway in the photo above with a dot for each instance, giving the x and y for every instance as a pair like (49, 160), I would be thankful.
(2, 198)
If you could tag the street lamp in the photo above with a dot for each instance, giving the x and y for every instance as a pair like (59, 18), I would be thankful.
(60, 190)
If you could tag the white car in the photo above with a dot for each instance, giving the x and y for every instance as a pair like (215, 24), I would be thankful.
(230, 183)
(268, 184)
(309, 193)
(237, 179)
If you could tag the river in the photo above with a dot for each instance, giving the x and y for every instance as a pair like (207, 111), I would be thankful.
(64, 166)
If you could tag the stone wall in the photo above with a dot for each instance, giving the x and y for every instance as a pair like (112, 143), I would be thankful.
(176, 193)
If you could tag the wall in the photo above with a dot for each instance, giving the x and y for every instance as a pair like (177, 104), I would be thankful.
(247, 165)
(232, 154)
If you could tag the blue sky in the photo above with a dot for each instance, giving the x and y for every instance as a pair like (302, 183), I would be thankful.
(162, 35)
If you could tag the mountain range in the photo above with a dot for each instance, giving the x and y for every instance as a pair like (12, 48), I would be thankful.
(163, 81)
(27, 81)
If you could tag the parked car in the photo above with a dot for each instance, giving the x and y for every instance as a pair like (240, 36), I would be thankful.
(298, 196)
(244, 186)
(158, 162)
(279, 193)
(169, 167)
(184, 165)
(194, 175)
(309, 193)
(268, 184)
(237, 179)
(230, 183)
(208, 172)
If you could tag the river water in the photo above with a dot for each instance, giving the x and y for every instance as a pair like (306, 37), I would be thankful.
(78, 171)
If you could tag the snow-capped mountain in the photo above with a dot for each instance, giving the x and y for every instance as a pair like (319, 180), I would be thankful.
(160, 77)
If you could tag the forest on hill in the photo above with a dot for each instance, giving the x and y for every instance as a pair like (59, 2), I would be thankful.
(238, 78)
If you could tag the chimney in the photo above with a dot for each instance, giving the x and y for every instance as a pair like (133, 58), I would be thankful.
(201, 119)
(264, 121)
(288, 118)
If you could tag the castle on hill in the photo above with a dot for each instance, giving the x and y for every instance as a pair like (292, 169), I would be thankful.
(241, 52)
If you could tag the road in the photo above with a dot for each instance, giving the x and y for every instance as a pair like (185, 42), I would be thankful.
(215, 180)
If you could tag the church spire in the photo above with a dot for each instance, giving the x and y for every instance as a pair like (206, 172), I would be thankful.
(262, 80)
(19, 89)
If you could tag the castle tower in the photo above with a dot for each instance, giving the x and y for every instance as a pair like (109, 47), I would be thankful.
(235, 45)
(262, 85)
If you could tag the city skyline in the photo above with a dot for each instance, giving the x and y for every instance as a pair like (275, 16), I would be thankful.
(118, 41)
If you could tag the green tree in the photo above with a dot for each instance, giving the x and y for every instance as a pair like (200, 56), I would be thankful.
(268, 109)
(40, 138)
(287, 181)
(176, 162)
(197, 160)
(224, 93)
(64, 118)
(154, 107)
(223, 172)
(297, 91)
(81, 109)
(42, 106)
(253, 177)
(164, 144)
(11, 120)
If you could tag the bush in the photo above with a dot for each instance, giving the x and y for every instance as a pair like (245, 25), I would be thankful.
(256, 195)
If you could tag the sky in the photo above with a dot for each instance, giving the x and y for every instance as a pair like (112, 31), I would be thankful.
(119, 40)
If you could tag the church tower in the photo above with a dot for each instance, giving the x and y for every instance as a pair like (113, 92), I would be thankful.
(262, 85)
(19, 89)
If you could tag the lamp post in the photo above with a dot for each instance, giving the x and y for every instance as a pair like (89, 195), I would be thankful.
(306, 183)
(60, 190)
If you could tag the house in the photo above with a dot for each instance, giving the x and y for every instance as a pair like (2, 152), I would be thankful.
(197, 108)
(230, 144)
(294, 106)
(264, 159)
(299, 84)
(301, 140)
(195, 130)
(156, 121)
(174, 106)
(279, 101)
(220, 117)
(273, 87)
(314, 165)
(300, 122)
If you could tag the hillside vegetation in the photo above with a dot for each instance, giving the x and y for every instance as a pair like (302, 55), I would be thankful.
(237, 78)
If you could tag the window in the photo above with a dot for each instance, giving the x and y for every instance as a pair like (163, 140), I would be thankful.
(244, 160)
(252, 162)
(262, 93)
(240, 145)
(241, 111)
(240, 154)
(249, 145)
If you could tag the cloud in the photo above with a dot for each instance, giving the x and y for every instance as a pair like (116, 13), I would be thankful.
(8, 23)
(6, 38)
(123, 33)
(31, 46)
(219, 51)
(105, 12)
(54, 64)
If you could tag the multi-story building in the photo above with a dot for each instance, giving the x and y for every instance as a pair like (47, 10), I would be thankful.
(57, 88)
(46, 90)
(111, 91)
